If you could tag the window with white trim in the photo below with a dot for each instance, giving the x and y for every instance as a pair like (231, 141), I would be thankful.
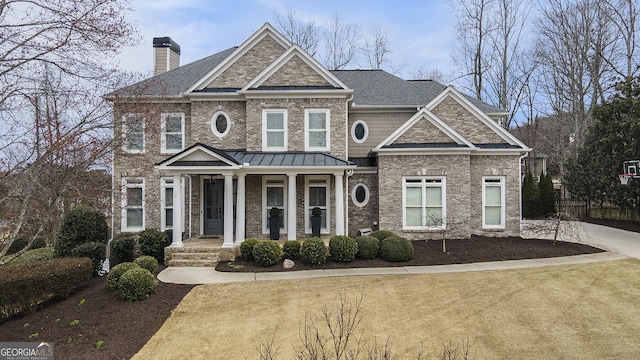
(359, 132)
(360, 195)
(172, 132)
(424, 203)
(493, 202)
(317, 135)
(133, 133)
(132, 204)
(317, 194)
(166, 201)
(274, 125)
(274, 195)
(220, 124)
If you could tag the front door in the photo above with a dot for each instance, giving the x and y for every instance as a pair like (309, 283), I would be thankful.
(213, 207)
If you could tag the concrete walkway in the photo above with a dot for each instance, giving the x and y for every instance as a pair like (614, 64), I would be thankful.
(620, 244)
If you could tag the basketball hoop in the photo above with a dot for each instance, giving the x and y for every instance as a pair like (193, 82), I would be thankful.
(625, 178)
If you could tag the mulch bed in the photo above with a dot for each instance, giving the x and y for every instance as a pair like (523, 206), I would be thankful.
(125, 327)
(459, 251)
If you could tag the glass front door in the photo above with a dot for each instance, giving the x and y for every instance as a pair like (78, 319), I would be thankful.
(213, 207)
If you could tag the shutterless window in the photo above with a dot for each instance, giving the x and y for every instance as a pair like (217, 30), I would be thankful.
(172, 132)
(220, 123)
(133, 204)
(424, 203)
(359, 131)
(274, 190)
(317, 129)
(493, 202)
(166, 221)
(360, 195)
(133, 133)
(317, 195)
(275, 130)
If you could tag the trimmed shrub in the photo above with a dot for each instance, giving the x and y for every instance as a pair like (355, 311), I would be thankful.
(21, 241)
(45, 253)
(267, 253)
(395, 249)
(136, 284)
(122, 247)
(246, 248)
(291, 249)
(79, 226)
(368, 247)
(382, 234)
(343, 248)
(153, 242)
(116, 272)
(94, 251)
(313, 251)
(147, 262)
(25, 287)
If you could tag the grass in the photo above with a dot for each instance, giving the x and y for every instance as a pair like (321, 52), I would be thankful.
(30, 255)
(585, 311)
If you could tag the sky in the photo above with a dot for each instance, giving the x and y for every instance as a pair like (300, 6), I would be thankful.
(421, 32)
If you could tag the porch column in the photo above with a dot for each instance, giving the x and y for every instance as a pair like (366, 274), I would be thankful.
(339, 204)
(228, 211)
(240, 210)
(291, 206)
(177, 212)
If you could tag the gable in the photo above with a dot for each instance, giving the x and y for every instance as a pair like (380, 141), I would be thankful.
(423, 131)
(249, 65)
(199, 155)
(296, 72)
(465, 123)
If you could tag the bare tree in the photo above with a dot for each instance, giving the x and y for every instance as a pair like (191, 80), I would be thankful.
(302, 32)
(376, 48)
(55, 128)
(341, 44)
(623, 16)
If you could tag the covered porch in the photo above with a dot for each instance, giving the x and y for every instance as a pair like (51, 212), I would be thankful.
(236, 189)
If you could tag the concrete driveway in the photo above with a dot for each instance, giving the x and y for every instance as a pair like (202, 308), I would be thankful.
(618, 241)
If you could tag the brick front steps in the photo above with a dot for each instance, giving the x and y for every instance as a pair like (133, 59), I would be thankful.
(198, 252)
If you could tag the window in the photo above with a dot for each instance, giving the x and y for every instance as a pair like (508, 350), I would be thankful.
(493, 202)
(317, 130)
(360, 195)
(132, 204)
(166, 201)
(274, 123)
(220, 124)
(274, 195)
(359, 131)
(317, 195)
(424, 204)
(133, 133)
(172, 137)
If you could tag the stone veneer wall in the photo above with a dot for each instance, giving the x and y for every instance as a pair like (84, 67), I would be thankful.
(365, 216)
(201, 113)
(465, 123)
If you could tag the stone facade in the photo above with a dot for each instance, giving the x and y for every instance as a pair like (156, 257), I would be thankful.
(423, 131)
(465, 123)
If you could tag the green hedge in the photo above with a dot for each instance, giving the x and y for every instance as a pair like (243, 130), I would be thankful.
(246, 248)
(95, 251)
(27, 286)
(395, 249)
(114, 274)
(368, 247)
(153, 242)
(136, 284)
(21, 241)
(267, 253)
(313, 251)
(382, 234)
(147, 262)
(291, 249)
(122, 248)
(342, 248)
(44, 253)
(79, 226)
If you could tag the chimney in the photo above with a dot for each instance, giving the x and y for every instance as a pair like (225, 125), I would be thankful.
(166, 55)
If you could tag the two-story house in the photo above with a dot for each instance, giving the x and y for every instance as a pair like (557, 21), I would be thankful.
(210, 147)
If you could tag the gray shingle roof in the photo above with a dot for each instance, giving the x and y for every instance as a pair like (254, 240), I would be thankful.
(431, 86)
(177, 81)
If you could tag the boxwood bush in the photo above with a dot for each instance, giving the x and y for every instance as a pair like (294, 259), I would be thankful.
(116, 272)
(291, 249)
(93, 250)
(122, 248)
(343, 248)
(44, 253)
(246, 248)
(395, 249)
(368, 247)
(382, 234)
(136, 284)
(21, 241)
(153, 242)
(27, 286)
(79, 226)
(313, 251)
(267, 253)
(147, 262)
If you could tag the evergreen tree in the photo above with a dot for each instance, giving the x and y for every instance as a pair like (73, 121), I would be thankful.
(530, 197)
(547, 195)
